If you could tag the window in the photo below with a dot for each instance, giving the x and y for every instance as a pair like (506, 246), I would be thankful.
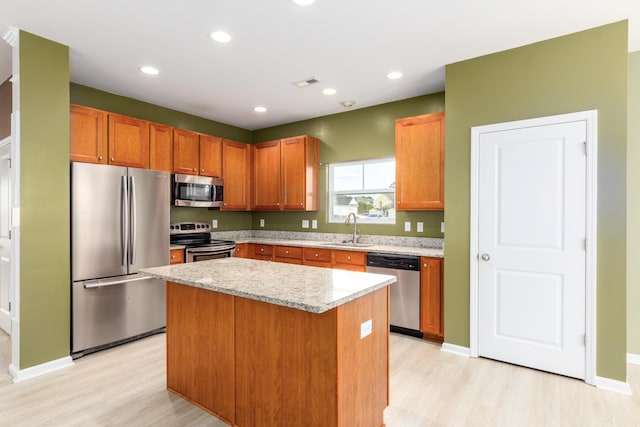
(366, 188)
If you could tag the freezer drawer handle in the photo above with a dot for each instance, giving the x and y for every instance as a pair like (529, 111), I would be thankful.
(89, 285)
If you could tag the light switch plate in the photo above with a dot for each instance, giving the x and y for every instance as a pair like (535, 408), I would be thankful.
(366, 328)
(214, 223)
(305, 223)
(442, 227)
(261, 222)
(314, 223)
(407, 226)
(420, 227)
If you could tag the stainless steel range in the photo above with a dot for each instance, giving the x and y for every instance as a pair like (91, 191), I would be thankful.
(196, 236)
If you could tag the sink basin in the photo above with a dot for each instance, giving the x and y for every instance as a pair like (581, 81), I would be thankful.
(349, 244)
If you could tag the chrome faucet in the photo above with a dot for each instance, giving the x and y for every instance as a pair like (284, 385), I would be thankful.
(356, 233)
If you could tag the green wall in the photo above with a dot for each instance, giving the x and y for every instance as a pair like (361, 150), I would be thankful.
(633, 206)
(367, 133)
(582, 71)
(44, 201)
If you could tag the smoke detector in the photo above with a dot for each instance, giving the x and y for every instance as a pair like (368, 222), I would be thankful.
(348, 103)
(306, 82)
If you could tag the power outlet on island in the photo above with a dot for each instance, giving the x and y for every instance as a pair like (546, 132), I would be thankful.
(366, 328)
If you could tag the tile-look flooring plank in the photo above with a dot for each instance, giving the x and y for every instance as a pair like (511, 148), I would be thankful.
(125, 386)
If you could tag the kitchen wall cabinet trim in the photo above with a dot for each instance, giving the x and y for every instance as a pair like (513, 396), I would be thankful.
(420, 162)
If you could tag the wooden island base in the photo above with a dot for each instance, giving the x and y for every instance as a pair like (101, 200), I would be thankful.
(252, 363)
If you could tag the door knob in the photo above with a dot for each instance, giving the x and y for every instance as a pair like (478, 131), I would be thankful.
(485, 257)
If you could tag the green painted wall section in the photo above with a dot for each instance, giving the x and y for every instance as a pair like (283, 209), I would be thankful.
(44, 201)
(90, 97)
(633, 206)
(582, 71)
(367, 133)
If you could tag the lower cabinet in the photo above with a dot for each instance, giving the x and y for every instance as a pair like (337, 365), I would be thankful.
(350, 260)
(317, 257)
(288, 254)
(242, 250)
(431, 299)
(176, 256)
(262, 252)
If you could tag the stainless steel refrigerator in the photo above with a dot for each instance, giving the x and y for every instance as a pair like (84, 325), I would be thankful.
(119, 224)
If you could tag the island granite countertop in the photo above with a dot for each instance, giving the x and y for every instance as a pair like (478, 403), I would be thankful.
(312, 289)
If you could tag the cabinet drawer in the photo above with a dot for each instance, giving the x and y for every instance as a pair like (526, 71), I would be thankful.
(317, 255)
(176, 256)
(349, 257)
(288, 252)
(262, 251)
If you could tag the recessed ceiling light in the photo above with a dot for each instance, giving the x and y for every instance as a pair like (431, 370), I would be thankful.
(260, 109)
(220, 36)
(303, 2)
(152, 71)
(348, 103)
(329, 91)
(394, 75)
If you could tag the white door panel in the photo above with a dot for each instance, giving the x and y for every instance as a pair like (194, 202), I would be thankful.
(5, 241)
(531, 226)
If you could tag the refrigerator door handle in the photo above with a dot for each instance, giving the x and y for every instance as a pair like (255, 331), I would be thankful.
(124, 218)
(91, 284)
(134, 220)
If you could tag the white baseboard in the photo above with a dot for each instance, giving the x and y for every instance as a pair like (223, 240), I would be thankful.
(613, 385)
(36, 371)
(634, 359)
(456, 349)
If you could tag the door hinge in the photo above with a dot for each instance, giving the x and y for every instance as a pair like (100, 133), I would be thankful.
(9, 234)
(586, 149)
(585, 339)
(9, 305)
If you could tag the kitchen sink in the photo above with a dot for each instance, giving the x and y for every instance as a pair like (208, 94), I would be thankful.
(349, 244)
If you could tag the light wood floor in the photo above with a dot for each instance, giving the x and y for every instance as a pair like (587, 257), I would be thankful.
(125, 386)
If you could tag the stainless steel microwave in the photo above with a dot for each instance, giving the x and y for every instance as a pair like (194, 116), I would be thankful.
(197, 191)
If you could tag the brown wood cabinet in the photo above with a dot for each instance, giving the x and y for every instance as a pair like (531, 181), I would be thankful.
(242, 250)
(176, 256)
(317, 257)
(210, 156)
(236, 173)
(288, 254)
(285, 174)
(262, 252)
(128, 141)
(420, 162)
(88, 135)
(350, 260)
(160, 147)
(431, 299)
(186, 152)
(266, 175)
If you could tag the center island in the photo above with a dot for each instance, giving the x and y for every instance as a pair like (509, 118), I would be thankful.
(261, 343)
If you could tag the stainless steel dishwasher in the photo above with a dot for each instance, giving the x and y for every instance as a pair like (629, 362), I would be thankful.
(405, 293)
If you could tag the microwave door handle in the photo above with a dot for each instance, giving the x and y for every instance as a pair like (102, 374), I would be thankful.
(134, 220)
(124, 218)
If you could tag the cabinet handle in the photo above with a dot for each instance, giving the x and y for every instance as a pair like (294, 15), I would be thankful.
(301, 204)
(426, 265)
(113, 159)
(286, 252)
(349, 257)
(195, 170)
(201, 170)
(261, 249)
(99, 157)
(316, 255)
(173, 257)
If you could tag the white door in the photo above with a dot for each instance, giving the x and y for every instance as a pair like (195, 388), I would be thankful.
(5, 241)
(531, 247)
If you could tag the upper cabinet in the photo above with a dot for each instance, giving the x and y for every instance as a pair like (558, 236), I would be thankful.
(128, 141)
(420, 162)
(286, 174)
(236, 173)
(210, 156)
(88, 135)
(186, 153)
(160, 147)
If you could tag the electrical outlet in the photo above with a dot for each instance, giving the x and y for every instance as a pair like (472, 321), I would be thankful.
(261, 222)
(366, 328)
(314, 224)
(214, 223)
(305, 223)
(420, 227)
(407, 226)
(442, 227)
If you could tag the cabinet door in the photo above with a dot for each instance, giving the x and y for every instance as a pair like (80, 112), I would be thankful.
(210, 156)
(160, 147)
(236, 173)
(128, 141)
(300, 173)
(266, 175)
(88, 135)
(185, 152)
(176, 256)
(242, 250)
(420, 162)
(431, 299)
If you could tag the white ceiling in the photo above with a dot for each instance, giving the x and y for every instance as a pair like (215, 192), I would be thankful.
(349, 45)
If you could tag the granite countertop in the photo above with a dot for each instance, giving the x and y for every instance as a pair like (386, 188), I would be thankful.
(389, 249)
(172, 246)
(312, 289)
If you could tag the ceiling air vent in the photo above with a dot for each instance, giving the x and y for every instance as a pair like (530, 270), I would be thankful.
(307, 82)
